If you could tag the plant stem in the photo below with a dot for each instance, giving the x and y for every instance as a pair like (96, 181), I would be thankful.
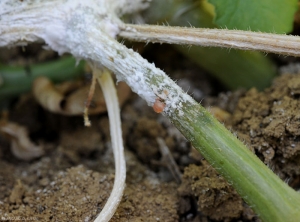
(16, 80)
(270, 198)
(236, 39)
(105, 80)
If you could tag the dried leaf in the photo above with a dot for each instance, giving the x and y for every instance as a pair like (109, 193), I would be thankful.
(69, 98)
(47, 95)
(21, 145)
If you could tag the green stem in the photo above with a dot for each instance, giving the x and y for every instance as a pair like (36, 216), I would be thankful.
(17, 80)
(270, 198)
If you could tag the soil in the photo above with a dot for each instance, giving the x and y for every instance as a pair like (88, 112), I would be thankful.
(72, 180)
(269, 123)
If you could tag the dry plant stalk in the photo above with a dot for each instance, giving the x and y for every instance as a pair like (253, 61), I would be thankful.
(87, 122)
(236, 39)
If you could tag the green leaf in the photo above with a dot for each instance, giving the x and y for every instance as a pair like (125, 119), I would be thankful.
(17, 80)
(235, 68)
(274, 16)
